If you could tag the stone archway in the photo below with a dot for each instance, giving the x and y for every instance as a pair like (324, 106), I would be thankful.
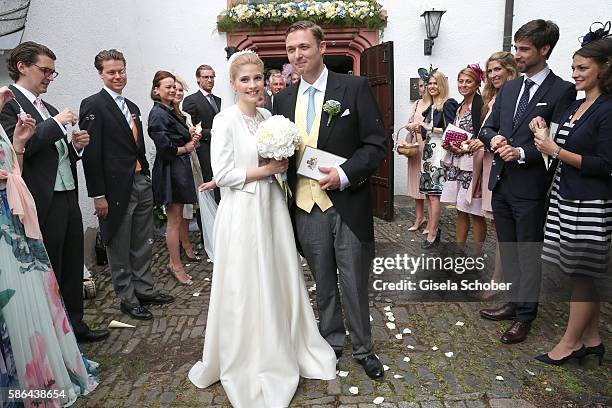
(345, 41)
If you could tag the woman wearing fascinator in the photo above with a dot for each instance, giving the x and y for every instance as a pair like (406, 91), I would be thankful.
(458, 189)
(441, 111)
(261, 332)
(578, 235)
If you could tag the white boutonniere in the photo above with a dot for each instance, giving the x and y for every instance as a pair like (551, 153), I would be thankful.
(332, 108)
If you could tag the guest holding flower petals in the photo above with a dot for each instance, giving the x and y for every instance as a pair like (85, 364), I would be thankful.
(578, 234)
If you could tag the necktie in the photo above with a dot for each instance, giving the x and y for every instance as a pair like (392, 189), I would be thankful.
(41, 108)
(310, 113)
(523, 102)
(213, 104)
(124, 109)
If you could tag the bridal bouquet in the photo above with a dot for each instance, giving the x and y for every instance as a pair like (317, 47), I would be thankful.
(278, 138)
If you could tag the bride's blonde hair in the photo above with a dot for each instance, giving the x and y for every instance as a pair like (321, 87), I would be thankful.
(244, 58)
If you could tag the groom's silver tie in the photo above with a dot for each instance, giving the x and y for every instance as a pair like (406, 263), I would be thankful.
(310, 114)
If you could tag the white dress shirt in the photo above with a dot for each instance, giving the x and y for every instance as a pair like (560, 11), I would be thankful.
(31, 97)
(537, 78)
(320, 85)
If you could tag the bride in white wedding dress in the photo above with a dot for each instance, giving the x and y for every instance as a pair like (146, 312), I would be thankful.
(261, 333)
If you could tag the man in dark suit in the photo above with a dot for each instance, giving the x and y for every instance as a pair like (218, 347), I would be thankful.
(203, 106)
(333, 217)
(49, 170)
(519, 178)
(276, 83)
(118, 179)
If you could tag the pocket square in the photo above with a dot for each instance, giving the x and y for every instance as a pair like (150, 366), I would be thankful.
(542, 104)
(345, 113)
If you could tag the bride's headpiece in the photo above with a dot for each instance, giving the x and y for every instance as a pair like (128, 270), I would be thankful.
(240, 53)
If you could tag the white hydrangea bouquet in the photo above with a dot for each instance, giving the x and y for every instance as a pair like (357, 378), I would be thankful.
(278, 138)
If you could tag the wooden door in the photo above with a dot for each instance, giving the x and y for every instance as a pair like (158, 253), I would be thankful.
(377, 66)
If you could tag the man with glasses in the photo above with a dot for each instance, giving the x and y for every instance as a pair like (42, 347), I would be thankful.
(49, 170)
(118, 179)
(203, 106)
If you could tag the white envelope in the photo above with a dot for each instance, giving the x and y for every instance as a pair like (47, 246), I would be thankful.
(314, 158)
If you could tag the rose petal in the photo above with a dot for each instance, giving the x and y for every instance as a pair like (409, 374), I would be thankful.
(407, 359)
(391, 326)
(530, 372)
(410, 347)
(459, 323)
(385, 367)
(406, 331)
(343, 373)
(434, 348)
(449, 354)
(397, 376)
(354, 390)
(196, 294)
(387, 308)
(398, 336)
(499, 378)
(378, 400)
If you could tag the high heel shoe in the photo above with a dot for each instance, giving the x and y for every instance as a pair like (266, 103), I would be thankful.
(430, 245)
(579, 354)
(182, 281)
(416, 227)
(598, 350)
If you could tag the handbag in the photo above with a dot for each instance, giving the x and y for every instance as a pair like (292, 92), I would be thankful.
(405, 148)
(455, 136)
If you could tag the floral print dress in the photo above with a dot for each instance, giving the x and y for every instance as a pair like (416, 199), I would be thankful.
(38, 350)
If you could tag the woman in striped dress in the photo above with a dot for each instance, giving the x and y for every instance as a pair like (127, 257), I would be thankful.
(578, 235)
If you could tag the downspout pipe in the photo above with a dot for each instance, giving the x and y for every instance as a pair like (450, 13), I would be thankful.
(508, 16)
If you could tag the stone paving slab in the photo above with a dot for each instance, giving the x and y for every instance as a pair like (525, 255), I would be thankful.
(147, 366)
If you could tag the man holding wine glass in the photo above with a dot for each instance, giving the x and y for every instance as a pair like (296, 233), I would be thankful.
(49, 170)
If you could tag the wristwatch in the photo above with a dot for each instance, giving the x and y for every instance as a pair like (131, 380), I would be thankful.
(556, 153)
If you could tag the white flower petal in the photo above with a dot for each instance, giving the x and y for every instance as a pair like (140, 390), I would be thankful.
(449, 354)
(407, 359)
(196, 294)
(499, 378)
(378, 400)
(406, 331)
(391, 326)
(371, 318)
(410, 347)
(530, 372)
(397, 376)
(385, 367)
(399, 336)
(343, 373)
(459, 323)
(387, 308)
(434, 348)
(354, 390)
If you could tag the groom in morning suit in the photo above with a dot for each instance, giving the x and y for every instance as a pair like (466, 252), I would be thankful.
(519, 177)
(203, 106)
(333, 217)
(49, 171)
(119, 181)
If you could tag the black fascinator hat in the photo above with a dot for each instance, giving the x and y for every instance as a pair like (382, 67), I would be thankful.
(425, 74)
(602, 30)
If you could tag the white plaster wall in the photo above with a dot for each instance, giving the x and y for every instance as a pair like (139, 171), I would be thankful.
(156, 34)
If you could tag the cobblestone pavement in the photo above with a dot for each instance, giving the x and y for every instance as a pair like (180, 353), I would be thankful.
(147, 366)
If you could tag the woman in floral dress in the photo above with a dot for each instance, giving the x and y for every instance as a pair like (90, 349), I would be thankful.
(39, 356)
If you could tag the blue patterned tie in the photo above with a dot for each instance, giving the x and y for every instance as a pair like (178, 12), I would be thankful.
(124, 109)
(523, 102)
(310, 114)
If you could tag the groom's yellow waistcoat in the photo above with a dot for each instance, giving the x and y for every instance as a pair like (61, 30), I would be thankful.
(308, 192)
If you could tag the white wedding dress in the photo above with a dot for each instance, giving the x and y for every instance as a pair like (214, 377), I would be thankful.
(261, 333)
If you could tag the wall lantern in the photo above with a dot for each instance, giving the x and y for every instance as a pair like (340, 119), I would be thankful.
(432, 25)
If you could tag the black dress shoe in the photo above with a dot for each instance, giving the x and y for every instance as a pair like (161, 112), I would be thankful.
(503, 313)
(372, 366)
(598, 350)
(156, 299)
(431, 245)
(91, 335)
(516, 333)
(137, 312)
(580, 353)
